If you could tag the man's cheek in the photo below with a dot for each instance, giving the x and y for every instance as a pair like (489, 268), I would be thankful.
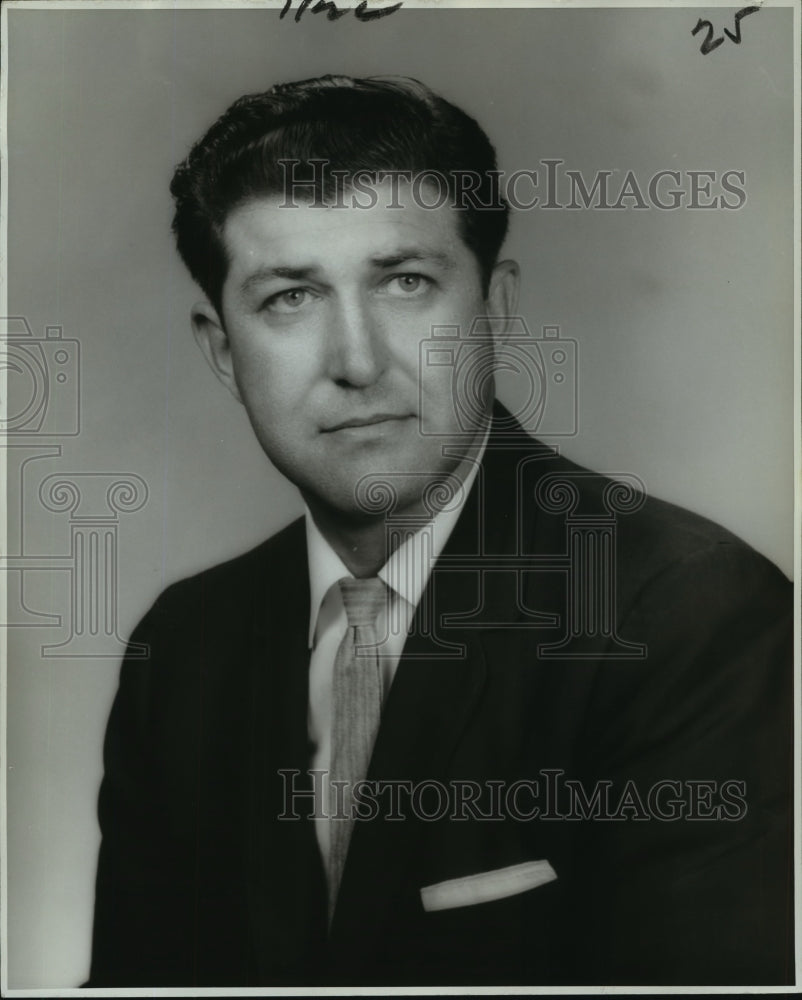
(437, 414)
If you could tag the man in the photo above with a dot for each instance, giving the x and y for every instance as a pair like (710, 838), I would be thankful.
(603, 700)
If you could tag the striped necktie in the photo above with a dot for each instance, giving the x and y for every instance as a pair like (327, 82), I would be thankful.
(356, 709)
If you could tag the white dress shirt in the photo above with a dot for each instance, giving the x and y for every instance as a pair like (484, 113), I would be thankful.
(406, 574)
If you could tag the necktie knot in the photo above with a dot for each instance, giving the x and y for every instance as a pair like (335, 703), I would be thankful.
(363, 599)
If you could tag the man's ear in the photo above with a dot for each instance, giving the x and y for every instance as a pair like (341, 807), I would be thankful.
(502, 297)
(212, 339)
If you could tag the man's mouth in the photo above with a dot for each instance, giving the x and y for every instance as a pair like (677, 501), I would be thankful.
(372, 420)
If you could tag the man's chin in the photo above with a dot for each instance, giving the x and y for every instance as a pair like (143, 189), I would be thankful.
(377, 493)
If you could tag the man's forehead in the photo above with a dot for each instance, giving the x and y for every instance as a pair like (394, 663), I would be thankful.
(269, 226)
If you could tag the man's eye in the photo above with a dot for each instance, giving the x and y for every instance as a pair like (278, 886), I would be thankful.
(288, 301)
(408, 284)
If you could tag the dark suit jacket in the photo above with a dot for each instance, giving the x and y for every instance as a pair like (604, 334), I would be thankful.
(199, 882)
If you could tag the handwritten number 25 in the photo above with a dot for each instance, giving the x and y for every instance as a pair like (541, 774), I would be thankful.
(711, 43)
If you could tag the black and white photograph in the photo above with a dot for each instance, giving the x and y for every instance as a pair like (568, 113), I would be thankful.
(400, 435)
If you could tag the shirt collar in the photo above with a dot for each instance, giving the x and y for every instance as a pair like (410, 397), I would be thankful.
(408, 569)
(325, 569)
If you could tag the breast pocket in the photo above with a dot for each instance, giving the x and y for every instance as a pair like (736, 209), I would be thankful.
(486, 887)
(492, 926)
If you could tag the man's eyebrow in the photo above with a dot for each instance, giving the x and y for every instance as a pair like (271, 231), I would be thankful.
(384, 261)
(402, 256)
(265, 273)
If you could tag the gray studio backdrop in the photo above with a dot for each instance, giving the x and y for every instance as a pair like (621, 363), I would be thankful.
(144, 469)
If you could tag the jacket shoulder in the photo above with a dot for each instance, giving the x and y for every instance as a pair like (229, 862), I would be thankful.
(652, 535)
(235, 582)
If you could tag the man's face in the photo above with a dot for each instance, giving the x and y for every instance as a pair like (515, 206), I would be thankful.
(323, 315)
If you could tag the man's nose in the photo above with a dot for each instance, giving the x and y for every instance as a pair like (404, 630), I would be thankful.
(356, 350)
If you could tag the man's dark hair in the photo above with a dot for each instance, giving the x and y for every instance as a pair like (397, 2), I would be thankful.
(357, 125)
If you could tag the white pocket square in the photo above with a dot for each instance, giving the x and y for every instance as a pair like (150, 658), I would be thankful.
(485, 887)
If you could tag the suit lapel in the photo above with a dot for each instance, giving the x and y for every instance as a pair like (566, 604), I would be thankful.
(434, 696)
(427, 710)
(431, 703)
(287, 886)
